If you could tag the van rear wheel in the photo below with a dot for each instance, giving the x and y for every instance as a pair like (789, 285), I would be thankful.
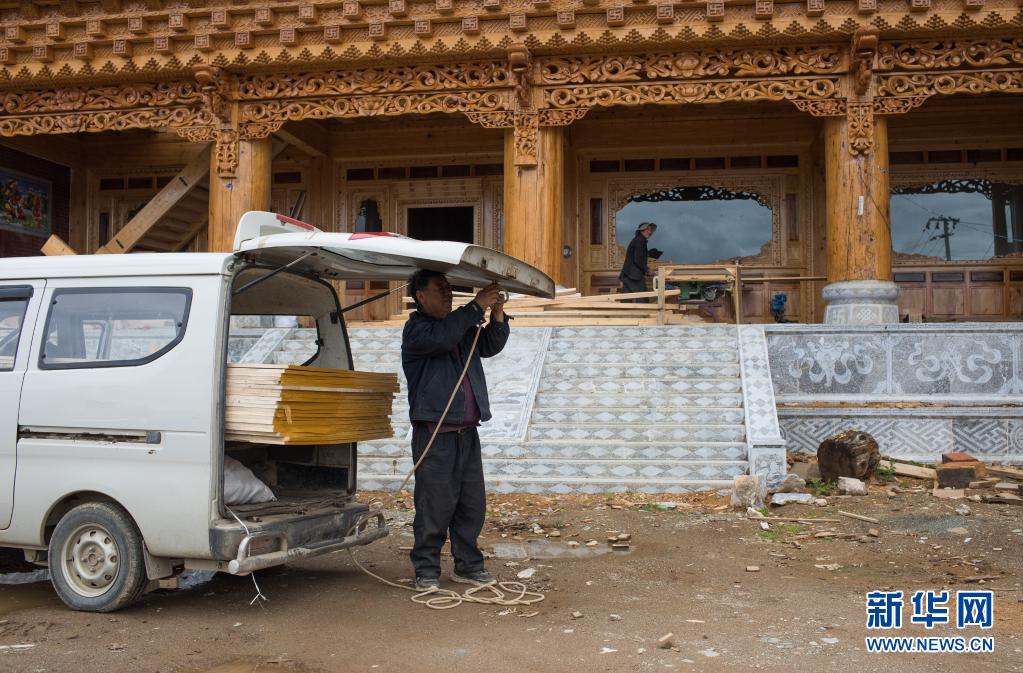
(96, 558)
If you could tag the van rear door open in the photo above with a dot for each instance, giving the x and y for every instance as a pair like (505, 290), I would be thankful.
(380, 256)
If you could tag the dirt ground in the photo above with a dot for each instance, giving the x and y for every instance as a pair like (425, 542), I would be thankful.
(685, 573)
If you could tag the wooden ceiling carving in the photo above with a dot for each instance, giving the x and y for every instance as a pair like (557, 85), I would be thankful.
(96, 40)
(211, 98)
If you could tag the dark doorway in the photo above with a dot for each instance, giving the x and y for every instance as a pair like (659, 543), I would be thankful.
(450, 223)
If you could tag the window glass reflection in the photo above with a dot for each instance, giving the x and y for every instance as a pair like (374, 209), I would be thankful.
(958, 220)
(698, 225)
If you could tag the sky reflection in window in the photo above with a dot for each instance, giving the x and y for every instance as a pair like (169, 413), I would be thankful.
(698, 225)
(982, 219)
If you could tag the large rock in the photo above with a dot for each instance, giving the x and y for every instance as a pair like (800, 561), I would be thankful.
(748, 490)
(850, 453)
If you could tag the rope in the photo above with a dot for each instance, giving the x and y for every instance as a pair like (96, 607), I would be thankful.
(259, 593)
(498, 593)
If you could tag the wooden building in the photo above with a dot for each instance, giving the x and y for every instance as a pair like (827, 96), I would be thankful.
(839, 140)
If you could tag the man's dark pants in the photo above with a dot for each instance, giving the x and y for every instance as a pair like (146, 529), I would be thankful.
(629, 285)
(450, 496)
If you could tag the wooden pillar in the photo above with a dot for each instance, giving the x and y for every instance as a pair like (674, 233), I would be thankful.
(859, 244)
(231, 197)
(534, 201)
(858, 235)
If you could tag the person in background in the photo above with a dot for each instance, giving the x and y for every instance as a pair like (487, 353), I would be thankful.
(636, 268)
(450, 494)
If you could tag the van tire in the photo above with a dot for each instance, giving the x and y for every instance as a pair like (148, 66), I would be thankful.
(96, 558)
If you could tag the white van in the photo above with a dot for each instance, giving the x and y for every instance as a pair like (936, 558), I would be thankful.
(112, 384)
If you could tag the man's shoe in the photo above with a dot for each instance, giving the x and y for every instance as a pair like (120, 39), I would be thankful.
(478, 578)
(427, 583)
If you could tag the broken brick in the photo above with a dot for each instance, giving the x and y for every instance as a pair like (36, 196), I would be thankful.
(955, 475)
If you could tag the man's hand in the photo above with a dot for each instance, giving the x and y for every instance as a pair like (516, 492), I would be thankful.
(488, 296)
(497, 310)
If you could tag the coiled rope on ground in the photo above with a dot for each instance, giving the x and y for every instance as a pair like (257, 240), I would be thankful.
(499, 593)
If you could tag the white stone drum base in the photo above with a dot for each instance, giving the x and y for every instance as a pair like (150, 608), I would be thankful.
(861, 302)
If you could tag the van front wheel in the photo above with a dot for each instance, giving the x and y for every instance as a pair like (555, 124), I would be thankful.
(95, 557)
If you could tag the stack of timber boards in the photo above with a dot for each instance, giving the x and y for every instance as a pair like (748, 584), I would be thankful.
(289, 404)
(571, 308)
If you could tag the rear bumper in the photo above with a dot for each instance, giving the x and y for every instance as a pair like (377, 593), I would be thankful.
(264, 545)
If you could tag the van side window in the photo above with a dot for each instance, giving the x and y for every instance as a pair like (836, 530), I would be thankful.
(12, 315)
(113, 327)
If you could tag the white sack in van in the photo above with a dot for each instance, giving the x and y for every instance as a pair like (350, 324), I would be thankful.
(241, 487)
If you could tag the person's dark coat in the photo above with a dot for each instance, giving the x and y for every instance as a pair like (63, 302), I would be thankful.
(635, 267)
(432, 356)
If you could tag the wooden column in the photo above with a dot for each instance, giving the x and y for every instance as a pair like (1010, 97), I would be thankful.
(230, 198)
(858, 237)
(534, 201)
(859, 242)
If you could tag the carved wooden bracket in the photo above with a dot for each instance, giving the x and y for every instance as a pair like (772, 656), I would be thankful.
(492, 120)
(214, 85)
(526, 135)
(520, 63)
(226, 141)
(834, 107)
(860, 119)
(860, 115)
(526, 124)
(864, 51)
(897, 104)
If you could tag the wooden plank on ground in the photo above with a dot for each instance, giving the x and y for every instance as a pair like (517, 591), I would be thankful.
(907, 470)
(1005, 471)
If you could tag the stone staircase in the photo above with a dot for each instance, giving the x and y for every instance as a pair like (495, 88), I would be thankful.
(272, 345)
(591, 409)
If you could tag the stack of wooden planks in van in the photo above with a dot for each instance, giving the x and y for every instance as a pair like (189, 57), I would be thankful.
(290, 404)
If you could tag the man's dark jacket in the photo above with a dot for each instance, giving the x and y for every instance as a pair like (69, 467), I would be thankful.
(432, 355)
(635, 266)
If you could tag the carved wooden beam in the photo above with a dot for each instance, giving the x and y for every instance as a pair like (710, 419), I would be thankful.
(319, 41)
(1008, 81)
